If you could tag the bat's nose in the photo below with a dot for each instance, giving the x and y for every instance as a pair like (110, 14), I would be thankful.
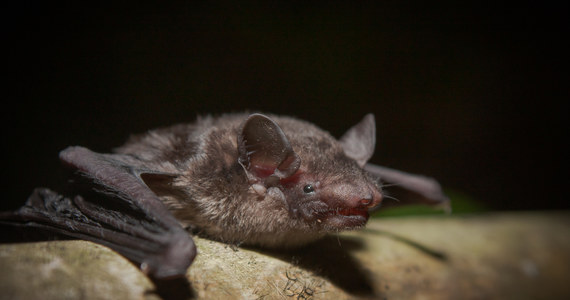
(371, 200)
(355, 196)
(366, 201)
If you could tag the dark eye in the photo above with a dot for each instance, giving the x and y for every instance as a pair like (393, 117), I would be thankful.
(308, 189)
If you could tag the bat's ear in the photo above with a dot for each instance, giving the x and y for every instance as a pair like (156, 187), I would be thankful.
(161, 183)
(359, 141)
(264, 150)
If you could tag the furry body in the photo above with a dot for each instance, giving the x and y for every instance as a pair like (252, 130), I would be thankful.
(211, 190)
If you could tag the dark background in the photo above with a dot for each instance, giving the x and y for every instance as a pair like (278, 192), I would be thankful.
(472, 94)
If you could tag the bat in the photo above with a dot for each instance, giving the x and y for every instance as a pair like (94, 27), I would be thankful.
(263, 180)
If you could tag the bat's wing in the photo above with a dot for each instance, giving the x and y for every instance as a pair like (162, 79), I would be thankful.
(123, 214)
(410, 188)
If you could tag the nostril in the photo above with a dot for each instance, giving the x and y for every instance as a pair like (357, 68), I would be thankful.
(365, 201)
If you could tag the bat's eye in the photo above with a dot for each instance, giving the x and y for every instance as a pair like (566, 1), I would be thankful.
(308, 189)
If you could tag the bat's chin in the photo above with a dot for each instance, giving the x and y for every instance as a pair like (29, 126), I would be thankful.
(346, 218)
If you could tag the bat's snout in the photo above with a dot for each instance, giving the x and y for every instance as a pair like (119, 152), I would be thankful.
(371, 201)
(353, 196)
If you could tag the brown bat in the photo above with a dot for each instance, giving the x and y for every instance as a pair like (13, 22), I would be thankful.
(269, 181)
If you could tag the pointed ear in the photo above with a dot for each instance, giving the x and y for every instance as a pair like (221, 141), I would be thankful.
(161, 183)
(359, 141)
(264, 150)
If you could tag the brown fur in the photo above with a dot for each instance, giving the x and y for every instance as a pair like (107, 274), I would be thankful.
(211, 192)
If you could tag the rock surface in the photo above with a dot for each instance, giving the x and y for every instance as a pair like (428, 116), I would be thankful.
(491, 256)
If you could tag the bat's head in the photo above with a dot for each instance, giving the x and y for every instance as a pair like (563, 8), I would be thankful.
(317, 179)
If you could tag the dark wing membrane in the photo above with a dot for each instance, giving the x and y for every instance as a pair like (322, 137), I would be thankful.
(124, 214)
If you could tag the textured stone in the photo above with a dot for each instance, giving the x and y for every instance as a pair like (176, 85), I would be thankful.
(68, 270)
(490, 256)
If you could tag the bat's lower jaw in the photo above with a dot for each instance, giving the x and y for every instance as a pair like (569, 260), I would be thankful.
(347, 222)
(344, 219)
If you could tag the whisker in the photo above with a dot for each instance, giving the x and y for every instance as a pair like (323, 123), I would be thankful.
(391, 198)
(389, 185)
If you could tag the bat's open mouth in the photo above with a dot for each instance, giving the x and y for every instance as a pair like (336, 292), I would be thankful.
(344, 217)
(353, 212)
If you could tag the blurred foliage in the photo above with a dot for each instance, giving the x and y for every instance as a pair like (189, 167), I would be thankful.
(461, 203)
